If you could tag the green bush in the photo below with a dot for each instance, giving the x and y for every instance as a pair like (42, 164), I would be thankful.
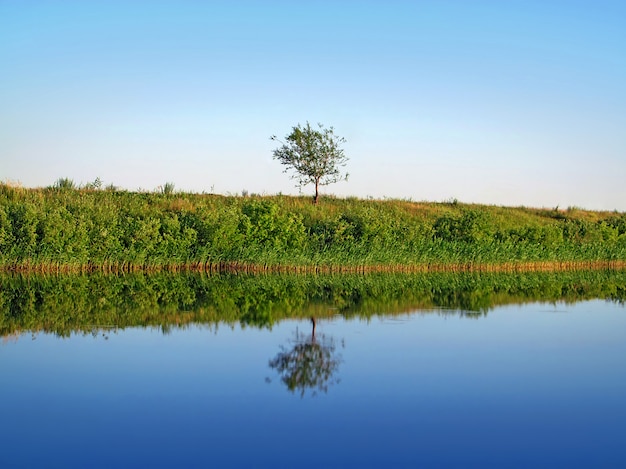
(98, 227)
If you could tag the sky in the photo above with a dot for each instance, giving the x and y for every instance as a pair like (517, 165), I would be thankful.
(496, 102)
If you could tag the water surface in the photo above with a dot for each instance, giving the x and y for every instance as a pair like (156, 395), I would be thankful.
(538, 384)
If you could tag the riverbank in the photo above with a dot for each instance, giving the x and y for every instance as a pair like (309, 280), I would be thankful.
(243, 268)
(82, 230)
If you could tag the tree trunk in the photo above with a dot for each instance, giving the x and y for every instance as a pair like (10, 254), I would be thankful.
(317, 183)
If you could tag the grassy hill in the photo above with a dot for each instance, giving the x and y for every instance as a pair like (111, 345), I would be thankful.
(65, 228)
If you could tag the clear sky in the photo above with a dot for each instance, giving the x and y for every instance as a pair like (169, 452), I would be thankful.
(502, 102)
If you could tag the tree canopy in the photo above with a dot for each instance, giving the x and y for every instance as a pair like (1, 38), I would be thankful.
(314, 155)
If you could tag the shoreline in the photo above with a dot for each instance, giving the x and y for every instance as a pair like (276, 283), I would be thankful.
(251, 268)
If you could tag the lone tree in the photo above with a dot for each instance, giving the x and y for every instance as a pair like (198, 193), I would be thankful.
(314, 155)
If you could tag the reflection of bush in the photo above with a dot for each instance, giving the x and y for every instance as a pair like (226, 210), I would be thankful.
(80, 303)
(309, 363)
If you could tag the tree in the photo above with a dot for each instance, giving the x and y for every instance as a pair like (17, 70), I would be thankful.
(314, 155)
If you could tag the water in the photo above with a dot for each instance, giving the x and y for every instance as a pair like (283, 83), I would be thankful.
(533, 385)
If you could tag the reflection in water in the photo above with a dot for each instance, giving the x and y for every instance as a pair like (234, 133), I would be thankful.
(309, 362)
(517, 389)
(67, 304)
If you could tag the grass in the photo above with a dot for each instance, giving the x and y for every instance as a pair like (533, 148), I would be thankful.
(70, 228)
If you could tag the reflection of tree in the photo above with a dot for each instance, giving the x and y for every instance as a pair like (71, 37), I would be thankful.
(309, 364)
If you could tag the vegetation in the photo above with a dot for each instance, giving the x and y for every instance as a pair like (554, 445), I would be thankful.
(98, 302)
(64, 228)
(314, 155)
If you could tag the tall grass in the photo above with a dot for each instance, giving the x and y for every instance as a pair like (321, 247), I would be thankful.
(68, 228)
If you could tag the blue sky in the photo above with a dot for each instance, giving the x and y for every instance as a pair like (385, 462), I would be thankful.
(498, 102)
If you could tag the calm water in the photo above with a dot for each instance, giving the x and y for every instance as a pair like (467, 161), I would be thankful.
(540, 385)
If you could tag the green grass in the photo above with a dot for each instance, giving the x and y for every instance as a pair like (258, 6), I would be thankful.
(69, 228)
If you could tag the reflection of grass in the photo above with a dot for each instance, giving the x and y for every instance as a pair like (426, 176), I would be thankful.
(69, 229)
(84, 303)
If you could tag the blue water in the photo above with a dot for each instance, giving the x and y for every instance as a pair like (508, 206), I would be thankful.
(540, 385)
